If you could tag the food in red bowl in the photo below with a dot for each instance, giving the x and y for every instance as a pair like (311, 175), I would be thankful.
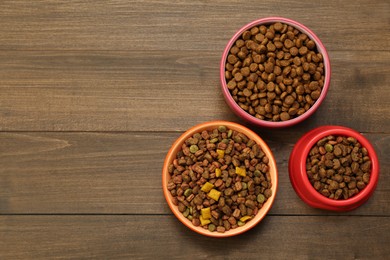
(334, 168)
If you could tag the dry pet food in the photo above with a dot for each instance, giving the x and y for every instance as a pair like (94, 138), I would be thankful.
(220, 179)
(274, 72)
(338, 167)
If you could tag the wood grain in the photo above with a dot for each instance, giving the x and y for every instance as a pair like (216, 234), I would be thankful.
(154, 91)
(116, 173)
(163, 237)
(93, 93)
(181, 25)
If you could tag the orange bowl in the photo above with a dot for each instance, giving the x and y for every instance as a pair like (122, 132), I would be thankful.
(209, 126)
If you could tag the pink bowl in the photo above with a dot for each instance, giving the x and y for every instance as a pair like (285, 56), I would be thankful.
(248, 117)
(300, 181)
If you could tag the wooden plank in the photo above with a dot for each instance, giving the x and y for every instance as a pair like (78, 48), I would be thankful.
(140, 237)
(164, 91)
(181, 25)
(117, 173)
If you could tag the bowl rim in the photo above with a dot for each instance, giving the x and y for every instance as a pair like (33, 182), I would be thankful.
(269, 124)
(252, 135)
(307, 141)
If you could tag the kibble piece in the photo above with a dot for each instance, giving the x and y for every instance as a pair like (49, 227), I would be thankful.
(284, 116)
(207, 187)
(278, 26)
(241, 171)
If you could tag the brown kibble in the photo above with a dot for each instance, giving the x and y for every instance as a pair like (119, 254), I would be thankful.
(250, 204)
(338, 194)
(244, 71)
(333, 185)
(310, 45)
(232, 59)
(361, 185)
(337, 151)
(278, 26)
(313, 85)
(238, 77)
(289, 100)
(366, 167)
(254, 30)
(270, 87)
(366, 178)
(221, 229)
(325, 192)
(240, 43)
(284, 116)
(246, 35)
(300, 90)
(270, 35)
(259, 37)
(315, 94)
(234, 50)
(269, 67)
(317, 185)
(288, 43)
(267, 193)
(271, 47)
(294, 51)
(257, 58)
(303, 50)
(247, 92)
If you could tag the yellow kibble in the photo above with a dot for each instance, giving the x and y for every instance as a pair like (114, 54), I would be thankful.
(207, 187)
(241, 171)
(245, 218)
(204, 221)
(214, 194)
(206, 213)
(221, 153)
(218, 172)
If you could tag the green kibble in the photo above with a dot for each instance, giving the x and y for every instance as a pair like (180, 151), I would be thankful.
(244, 185)
(257, 173)
(329, 148)
(225, 141)
(186, 212)
(222, 128)
(191, 210)
(237, 139)
(230, 132)
(190, 217)
(187, 192)
(240, 223)
(214, 140)
(194, 148)
(211, 227)
(260, 198)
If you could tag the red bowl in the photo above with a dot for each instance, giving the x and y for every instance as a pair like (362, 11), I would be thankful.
(301, 183)
(171, 155)
(263, 123)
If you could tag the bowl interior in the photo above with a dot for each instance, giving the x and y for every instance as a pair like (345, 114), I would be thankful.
(248, 117)
(209, 126)
(340, 131)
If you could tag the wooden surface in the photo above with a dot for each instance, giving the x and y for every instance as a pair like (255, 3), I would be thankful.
(93, 93)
